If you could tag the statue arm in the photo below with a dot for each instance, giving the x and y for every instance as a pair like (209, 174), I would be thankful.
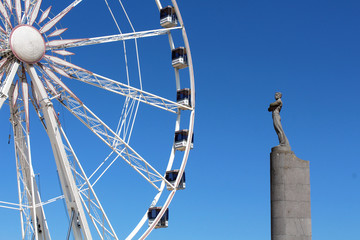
(274, 105)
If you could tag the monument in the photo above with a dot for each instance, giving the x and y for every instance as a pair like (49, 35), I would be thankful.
(290, 186)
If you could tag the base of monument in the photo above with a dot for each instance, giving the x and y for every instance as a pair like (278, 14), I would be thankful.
(285, 148)
(290, 196)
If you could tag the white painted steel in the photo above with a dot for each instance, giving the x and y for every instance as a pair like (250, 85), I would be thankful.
(44, 15)
(4, 13)
(58, 17)
(26, 176)
(162, 187)
(63, 52)
(190, 128)
(57, 43)
(27, 7)
(57, 32)
(11, 204)
(27, 44)
(95, 204)
(68, 184)
(76, 197)
(116, 38)
(18, 10)
(25, 92)
(63, 63)
(191, 123)
(122, 89)
(108, 136)
(5, 85)
(35, 12)
(9, 4)
(3, 62)
(2, 31)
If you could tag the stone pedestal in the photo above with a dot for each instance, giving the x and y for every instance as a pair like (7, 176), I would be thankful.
(290, 196)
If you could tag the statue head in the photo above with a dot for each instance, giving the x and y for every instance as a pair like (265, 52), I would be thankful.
(278, 95)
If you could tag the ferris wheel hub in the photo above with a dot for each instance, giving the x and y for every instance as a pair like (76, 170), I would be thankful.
(27, 44)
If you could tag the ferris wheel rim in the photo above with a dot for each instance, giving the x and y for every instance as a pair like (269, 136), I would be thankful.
(191, 127)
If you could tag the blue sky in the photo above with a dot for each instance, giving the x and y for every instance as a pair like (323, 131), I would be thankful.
(243, 52)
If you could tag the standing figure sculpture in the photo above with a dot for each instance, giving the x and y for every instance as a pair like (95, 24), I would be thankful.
(275, 108)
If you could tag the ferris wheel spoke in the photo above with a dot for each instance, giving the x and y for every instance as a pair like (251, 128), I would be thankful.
(18, 10)
(56, 44)
(8, 205)
(5, 85)
(27, 7)
(127, 118)
(88, 196)
(71, 43)
(5, 14)
(110, 138)
(9, 5)
(35, 12)
(2, 32)
(112, 38)
(118, 88)
(45, 14)
(118, 145)
(81, 228)
(58, 17)
(29, 196)
(102, 231)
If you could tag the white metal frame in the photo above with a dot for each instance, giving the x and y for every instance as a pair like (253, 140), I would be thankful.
(81, 200)
(29, 197)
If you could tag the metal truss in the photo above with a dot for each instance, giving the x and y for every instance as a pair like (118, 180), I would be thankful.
(108, 136)
(6, 84)
(88, 197)
(65, 44)
(117, 87)
(33, 221)
(127, 119)
(82, 204)
(78, 224)
(107, 39)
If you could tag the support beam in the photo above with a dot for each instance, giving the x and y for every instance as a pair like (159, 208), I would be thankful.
(80, 226)
(113, 38)
(5, 87)
(26, 176)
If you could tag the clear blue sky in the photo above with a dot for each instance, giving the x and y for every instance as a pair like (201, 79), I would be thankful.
(243, 52)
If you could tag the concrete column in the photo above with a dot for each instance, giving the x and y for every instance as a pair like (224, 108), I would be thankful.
(290, 196)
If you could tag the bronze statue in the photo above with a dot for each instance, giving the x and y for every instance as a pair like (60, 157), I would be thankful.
(275, 108)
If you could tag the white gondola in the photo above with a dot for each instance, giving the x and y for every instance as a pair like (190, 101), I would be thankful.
(171, 176)
(153, 212)
(168, 17)
(181, 139)
(183, 97)
(179, 58)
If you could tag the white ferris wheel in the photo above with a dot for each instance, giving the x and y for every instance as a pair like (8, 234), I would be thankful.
(39, 76)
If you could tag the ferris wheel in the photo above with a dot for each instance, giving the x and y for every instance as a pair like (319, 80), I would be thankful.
(41, 75)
